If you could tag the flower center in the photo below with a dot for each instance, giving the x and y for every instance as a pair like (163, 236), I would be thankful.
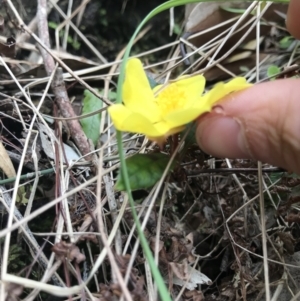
(170, 99)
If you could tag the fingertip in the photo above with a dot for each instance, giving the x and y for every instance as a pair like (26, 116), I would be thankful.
(222, 136)
(293, 18)
(260, 122)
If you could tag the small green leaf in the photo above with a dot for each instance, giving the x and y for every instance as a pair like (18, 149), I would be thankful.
(177, 29)
(91, 124)
(275, 176)
(286, 42)
(52, 25)
(144, 170)
(111, 95)
(273, 70)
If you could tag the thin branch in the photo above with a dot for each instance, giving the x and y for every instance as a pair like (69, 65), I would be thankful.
(58, 86)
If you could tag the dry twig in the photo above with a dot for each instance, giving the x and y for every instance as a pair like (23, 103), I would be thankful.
(58, 86)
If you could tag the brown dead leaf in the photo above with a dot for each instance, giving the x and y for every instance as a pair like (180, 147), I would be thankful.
(180, 270)
(136, 282)
(184, 274)
(88, 220)
(5, 163)
(293, 218)
(197, 14)
(289, 181)
(68, 250)
(8, 49)
(288, 241)
(228, 292)
(106, 293)
(14, 291)
(89, 237)
(153, 244)
(193, 295)
(202, 16)
(179, 250)
(286, 206)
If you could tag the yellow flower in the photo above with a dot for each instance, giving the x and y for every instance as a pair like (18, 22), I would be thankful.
(164, 110)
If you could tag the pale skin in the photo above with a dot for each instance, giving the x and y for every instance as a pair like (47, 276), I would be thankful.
(262, 122)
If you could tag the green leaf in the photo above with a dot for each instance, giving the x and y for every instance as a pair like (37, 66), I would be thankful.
(273, 70)
(144, 170)
(286, 42)
(52, 25)
(111, 95)
(177, 29)
(91, 124)
(275, 176)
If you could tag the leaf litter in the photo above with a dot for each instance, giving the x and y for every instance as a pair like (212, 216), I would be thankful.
(203, 227)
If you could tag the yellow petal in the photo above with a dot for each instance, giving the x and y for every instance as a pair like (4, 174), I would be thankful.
(220, 89)
(127, 121)
(192, 87)
(164, 128)
(118, 113)
(137, 94)
(184, 116)
(239, 83)
(161, 139)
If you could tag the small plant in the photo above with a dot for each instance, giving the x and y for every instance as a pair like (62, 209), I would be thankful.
(15, 262)
(273, 70)
(74, 43)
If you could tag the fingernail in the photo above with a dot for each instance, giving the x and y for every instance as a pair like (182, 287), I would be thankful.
(222, 136)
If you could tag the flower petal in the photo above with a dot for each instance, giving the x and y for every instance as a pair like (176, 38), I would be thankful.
(184, 116)
(161, 139)
(128, 121)
(192, 87)
(220, 89)
(137, 94)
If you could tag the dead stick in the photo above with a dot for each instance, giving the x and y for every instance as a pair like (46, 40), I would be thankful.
(58, 85)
